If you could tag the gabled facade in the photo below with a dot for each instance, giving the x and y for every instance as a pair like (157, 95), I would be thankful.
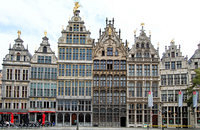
(174, 78)
(109, 81)
(143, 76)
(15, 82)
(194, 63)
(74, 81)
(43, 84)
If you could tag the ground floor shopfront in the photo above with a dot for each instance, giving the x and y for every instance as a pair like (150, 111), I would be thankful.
(71, 119)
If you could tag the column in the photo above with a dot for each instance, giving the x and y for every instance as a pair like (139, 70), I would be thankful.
(167, 116)
(49, 117)
(91, 118)
(56, 114)
(35, 117)
(151, 116)
(135, 114)
(181, 112)
(70, 121)
(63, 118)
(84, 119)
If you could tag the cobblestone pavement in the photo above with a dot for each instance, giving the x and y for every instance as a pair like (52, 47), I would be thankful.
(94, 128)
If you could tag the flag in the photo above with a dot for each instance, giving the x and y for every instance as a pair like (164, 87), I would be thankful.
(195, 95)
(150, 99)
(180, 99)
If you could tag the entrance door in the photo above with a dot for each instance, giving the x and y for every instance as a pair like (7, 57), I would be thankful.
(123, 121)
(185, 123)
(155, 120)
(74, 119)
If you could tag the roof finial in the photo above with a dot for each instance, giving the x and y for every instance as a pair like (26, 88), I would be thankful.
(142, 24)
(172, 41)
(76, 6)
(19, 33)
(45, 33)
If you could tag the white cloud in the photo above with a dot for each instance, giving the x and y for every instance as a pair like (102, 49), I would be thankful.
(166, 20)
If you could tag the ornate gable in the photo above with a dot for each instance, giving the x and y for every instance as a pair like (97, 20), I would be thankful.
(143, 48)
(110, 43)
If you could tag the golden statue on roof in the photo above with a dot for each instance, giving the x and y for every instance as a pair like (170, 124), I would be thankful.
(109, 31)
(19, 33)
(45, 33)
(76, 6)
(142, 24)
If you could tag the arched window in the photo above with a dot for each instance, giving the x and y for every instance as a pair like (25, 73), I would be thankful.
(109, 115)
(96, 80)
(142, 46)
(103, 80)
(116, 81)
(109, 80)
(44, 49)
(123, 81)
(18, 56)
(137, 45)
(96, 97)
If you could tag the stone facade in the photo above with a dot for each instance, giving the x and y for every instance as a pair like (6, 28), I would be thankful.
(15, 81)
(174, 78)
(109, 78)
(74, 81)
(194, 63)
(143, 76)
(43, 85)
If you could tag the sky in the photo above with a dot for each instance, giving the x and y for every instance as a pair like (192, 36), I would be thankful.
(166, 19)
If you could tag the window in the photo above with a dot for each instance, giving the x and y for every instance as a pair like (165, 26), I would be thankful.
(75, 39)
(183, 78)
(147, 70)
(68, 54)
(88, 70)
(139, 70)
(61, 69)
(131, 89)
(155, 89)
(9, 74)
(44, 49)
(103, 81)
(76, 27)
(69, 38)
(18, 56)
(167, 65)
(196, 65)
(109, 81)
(103, 53)
(179, 64)
(123, 65)
(154, 70)
(89, 54)
(173, 65)
(60, 88)
(123, 81)
(109, 65)
(170, 96)
(138, 55)
(142, 45)
(146, 88)
(68, 70)
(163, 80)
(177, 79)
(96, 97)
(170, 79)
(116, 65)
(82, 54)
(103, 65)
(173, 54)
(116, 53)
(88, 88)
(164, 96)
(75, 70)
(116, 97)
(8, 91)
(116, 81)
(75, 53)
(139, 113)
(131, 70)
(139, 89)
(82, 39)
(109, 51)
(24, 91)
(81, 88)
(137, 45)
(17, 74)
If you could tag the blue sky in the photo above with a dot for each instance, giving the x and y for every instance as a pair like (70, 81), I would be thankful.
(167, 19)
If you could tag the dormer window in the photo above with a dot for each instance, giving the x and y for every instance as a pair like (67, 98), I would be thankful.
(109, 51)
(116, 53)
(137, 45)
(81, 28)
(147, 45)
(76, 27)
(103, 53)
(142, 46)
(70, 29)
(45, 49)
(18, 56)
(173, 54)
(11, 57)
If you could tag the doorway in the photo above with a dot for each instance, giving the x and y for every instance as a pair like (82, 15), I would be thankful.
(123, 121)
(74, 119)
